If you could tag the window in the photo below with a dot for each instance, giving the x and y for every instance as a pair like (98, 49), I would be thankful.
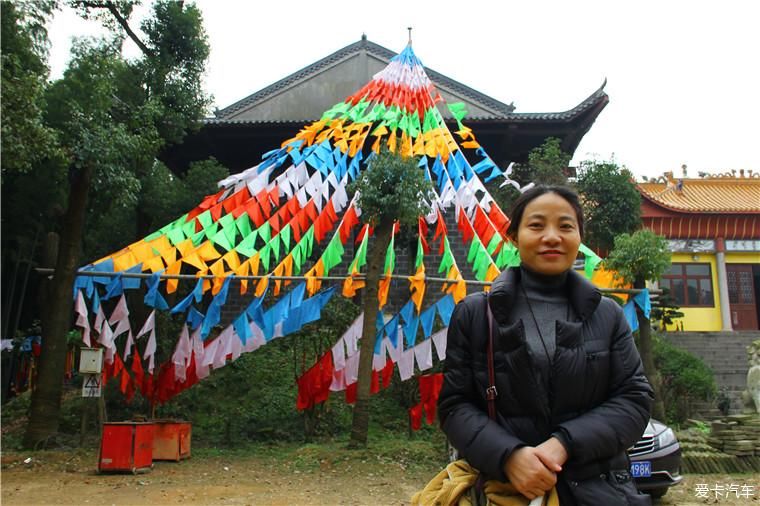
(689, 284)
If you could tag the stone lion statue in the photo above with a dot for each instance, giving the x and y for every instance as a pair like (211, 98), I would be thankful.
(752, 394)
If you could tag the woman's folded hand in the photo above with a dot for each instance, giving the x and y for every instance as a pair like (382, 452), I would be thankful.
(528, 473)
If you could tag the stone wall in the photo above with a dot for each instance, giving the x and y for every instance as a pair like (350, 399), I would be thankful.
(725, 353)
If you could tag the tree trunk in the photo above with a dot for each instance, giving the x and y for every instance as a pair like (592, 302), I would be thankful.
(647, 357)
(375, 264)
(56, 317)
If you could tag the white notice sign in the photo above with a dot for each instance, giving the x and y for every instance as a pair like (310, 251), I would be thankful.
(91, 385)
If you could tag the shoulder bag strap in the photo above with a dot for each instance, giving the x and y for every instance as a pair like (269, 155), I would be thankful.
(491, 392)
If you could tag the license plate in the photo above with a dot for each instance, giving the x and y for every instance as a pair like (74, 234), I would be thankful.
(642, 469)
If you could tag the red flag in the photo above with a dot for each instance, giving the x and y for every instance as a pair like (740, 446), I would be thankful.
(351, 392)
(304, 400)
(415, 415)
(125, 385)
(324, 379)
(350, 220)
(216, 212)
(499, 219)
(137, 369)
(387, 373)
(465, 227)
(147, 388)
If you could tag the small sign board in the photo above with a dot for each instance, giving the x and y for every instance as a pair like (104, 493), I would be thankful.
(91, 360)
(91, 385)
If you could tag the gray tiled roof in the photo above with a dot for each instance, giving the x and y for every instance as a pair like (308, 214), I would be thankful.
(376, 50)
(598, 96)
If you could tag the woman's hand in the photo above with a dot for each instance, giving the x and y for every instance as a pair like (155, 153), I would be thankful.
(553, 454)
(526, 470)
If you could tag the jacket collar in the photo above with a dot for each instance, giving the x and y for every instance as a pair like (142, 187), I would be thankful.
(583, 295)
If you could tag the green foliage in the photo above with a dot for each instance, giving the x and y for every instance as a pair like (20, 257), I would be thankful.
(700, 426)
(201, 180)
(685, 379)
(116, 114)
(547, 164)
(111, 117)
(640, 256)
(122, 112)
(666, 311)
(503, 195)
(173, 71)
(84, 108)
(254, 397)
(611, 203)
(25, 140)
(251, 400)
(393, 188)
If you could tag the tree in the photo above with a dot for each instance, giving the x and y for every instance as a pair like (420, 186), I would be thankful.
(637, 258)
(28, 150)
(25, 139)
(667, 311)
(391, 189)
(112, 116)
(547, 164)
(612, 204)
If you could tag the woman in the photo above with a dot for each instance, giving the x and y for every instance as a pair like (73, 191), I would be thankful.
(571, 395)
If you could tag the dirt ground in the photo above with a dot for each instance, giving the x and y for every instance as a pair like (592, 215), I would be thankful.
(310, 475)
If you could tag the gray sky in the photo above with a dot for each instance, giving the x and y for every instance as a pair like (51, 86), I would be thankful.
(683, 76)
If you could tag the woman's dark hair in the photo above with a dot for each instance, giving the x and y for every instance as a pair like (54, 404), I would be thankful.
(518, 206)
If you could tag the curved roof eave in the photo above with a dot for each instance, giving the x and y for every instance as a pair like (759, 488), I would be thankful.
(663, 205)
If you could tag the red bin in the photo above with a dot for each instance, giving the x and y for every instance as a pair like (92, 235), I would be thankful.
(171, 440)
(126, 446)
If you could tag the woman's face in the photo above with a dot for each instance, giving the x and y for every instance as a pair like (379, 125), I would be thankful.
(548, 236)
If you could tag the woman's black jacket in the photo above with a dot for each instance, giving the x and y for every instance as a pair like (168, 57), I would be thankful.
(598, 398)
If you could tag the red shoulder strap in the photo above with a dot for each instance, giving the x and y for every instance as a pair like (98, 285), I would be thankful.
(491, 392)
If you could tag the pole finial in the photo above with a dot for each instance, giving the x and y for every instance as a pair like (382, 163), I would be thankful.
(410, 34)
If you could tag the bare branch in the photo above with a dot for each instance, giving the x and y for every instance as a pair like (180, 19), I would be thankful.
(114, 10)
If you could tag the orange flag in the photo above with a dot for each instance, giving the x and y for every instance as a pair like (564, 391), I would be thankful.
(417, 286)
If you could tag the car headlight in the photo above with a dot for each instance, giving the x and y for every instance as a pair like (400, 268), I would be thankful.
(666, 437)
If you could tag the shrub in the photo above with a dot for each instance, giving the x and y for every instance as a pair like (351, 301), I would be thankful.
(685, 379)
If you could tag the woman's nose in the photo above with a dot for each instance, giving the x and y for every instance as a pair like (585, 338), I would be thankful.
(551, 235)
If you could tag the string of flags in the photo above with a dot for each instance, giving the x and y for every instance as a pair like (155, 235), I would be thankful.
(272, 234)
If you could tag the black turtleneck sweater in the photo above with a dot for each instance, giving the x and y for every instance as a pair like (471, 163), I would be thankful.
(549, 301)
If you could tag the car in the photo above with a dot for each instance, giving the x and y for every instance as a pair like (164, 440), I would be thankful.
(656, 460)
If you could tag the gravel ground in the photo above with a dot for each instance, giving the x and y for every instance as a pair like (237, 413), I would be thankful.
(302, 477)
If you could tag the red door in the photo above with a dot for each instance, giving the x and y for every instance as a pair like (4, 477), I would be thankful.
(742, 297)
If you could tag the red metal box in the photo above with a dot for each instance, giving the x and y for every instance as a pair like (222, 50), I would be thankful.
(171, 440)
(126, 446)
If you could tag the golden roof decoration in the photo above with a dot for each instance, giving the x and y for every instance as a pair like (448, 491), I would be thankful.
(726, 192)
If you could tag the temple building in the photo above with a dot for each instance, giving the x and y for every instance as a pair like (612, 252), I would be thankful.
(240, 133)
(712, 224)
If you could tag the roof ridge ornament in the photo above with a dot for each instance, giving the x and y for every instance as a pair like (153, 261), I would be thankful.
(671, 184)
(410, 35)
(749, 174)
